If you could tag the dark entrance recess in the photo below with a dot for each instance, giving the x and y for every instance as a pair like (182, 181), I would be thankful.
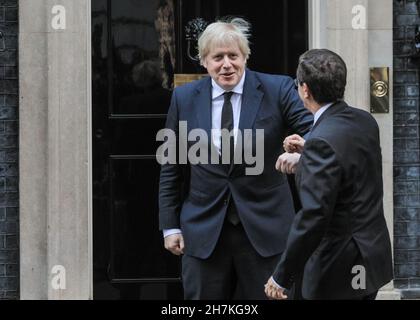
(137, 47)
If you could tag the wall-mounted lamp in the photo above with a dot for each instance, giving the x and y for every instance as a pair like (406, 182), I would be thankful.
(416, 54)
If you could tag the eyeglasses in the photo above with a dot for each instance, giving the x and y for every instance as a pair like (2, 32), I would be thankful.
(297, 83)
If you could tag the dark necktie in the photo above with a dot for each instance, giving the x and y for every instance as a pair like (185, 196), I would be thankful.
(227, 123)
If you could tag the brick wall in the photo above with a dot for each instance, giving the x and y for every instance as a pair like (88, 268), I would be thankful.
(9, 197)
(406, 150)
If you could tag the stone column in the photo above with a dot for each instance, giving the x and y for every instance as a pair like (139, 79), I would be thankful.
(338, 25)
(55, 149)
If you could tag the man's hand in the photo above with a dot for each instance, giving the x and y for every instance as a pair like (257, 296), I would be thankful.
(287, 162)
(294, 143)
(273, 291)
(175, 244)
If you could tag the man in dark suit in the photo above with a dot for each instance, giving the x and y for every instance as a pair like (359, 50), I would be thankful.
(339, 239)
(230, 224)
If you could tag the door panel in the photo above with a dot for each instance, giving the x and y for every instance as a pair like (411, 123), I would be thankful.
(130, 102)
(136, 252)
(137, 46)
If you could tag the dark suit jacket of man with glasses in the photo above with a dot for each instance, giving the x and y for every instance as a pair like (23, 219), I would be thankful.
(339, 239)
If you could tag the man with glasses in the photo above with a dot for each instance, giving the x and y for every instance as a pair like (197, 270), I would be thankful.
(339, 239)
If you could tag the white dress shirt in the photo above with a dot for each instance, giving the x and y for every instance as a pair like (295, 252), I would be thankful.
(216, 119)
(320, 111)
(217, 107)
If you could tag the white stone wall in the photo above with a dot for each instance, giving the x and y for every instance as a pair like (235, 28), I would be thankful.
(55, 149)
(338, 25)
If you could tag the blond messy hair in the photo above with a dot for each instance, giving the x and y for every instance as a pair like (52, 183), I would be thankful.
(224, 33)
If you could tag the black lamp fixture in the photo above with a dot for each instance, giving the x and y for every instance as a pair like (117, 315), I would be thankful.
(416, 52)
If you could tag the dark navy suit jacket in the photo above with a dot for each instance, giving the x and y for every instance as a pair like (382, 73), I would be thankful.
(194, 197)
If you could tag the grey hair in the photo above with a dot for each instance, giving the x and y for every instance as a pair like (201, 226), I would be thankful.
(224, 33)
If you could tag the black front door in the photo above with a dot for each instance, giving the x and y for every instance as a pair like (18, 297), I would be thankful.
(137, 48)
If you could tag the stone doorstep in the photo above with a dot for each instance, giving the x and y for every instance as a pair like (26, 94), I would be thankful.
(393, 294)
(410, 294)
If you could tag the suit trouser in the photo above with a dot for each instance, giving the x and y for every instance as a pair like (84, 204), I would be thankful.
(233, 271)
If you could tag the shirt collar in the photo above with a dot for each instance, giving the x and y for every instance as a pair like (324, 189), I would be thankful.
(217, 90)
(321, 110)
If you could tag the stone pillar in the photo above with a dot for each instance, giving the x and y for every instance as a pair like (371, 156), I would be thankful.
(339, 25)
(55, 149)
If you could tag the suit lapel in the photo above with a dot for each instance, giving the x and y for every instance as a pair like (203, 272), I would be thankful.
(202, 101)
(251, 101)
